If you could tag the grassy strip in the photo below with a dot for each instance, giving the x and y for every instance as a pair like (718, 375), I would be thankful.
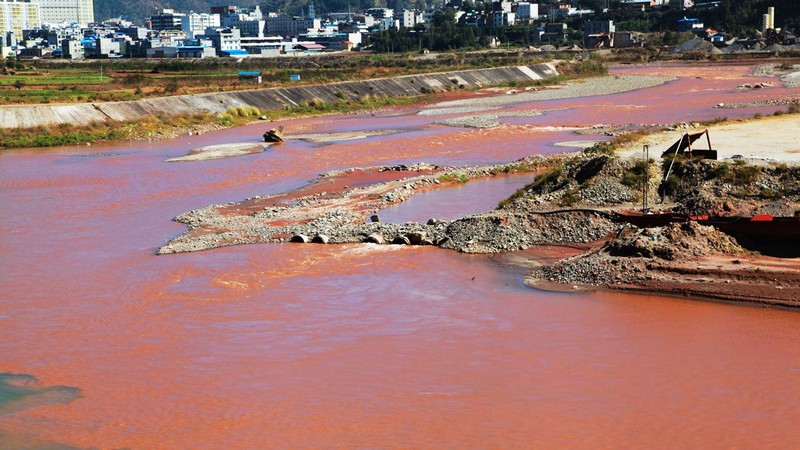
(70, 134)
(319, 107)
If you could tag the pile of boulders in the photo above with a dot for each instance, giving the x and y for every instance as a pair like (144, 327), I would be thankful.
(627, 258)
(504, 230)
(587, 181)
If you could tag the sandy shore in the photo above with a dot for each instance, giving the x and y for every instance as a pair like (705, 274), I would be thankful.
(220, 151)
(768, 139)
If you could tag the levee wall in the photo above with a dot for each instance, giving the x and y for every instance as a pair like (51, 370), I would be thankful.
(269, 99)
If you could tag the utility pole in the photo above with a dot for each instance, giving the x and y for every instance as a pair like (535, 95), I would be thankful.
(646, 150)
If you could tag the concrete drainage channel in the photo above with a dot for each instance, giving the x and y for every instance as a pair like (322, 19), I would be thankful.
(270, 99)
(408, 238)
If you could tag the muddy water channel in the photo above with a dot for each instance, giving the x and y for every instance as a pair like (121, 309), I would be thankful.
(105, 345)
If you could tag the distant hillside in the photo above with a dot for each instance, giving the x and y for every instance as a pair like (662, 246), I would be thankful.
(137, 10)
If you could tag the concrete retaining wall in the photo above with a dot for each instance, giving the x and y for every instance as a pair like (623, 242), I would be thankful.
(268, 99)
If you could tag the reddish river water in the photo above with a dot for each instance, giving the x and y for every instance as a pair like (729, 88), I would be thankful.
(291, 346)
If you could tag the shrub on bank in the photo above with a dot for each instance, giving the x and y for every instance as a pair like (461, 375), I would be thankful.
(70, 134)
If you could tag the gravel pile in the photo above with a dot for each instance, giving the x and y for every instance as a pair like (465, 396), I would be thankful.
(789, 75)
(500, 231)
(697, 45)
(626, 259)
(760, 103)
(455, 110)
(486, 120)
(586, 181)
(585, 88)
(764, 70)
(583, 270)
(791, 80)
(607, 191)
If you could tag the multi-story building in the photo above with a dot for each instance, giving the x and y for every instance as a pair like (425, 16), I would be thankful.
(334, 41)
(553, 33)
(379, 13)
(599, 27)
(136, 33)
(598, 33)
(166, 20)
(502, 6)
(527, 11)
(72, 48)
(248, 28)
(106, 47)
(503, 18)
(193, 23)
(16, 16)
(387, 23)
(290, 26)
(556, 11)
(410, 18)
(223, 10)
(67, 11)
(224, 39)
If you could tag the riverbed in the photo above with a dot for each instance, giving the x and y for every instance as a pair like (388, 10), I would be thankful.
(358, 345)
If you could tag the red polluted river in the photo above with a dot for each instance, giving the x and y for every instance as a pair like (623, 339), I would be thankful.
(106, 345)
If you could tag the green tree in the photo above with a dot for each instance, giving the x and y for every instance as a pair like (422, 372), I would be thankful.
(172, 87)
(738, 16)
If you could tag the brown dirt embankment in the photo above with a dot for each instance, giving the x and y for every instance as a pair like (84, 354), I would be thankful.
(684, 259)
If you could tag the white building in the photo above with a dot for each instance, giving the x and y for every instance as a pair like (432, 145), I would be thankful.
(504, 19)
(224, 39)
(387, 23)
(410, 18)
(195, 23)
(16, 16)
(527, 11)
(290, 26)
(248, 28)
(502, 6)
(67, 11)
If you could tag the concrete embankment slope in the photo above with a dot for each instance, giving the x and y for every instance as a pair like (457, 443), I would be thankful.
(269, 99)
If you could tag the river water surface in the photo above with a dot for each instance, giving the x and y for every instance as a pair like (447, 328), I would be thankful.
(105, 345)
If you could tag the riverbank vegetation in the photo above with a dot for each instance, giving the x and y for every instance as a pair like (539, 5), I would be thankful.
(61, 81)
(161, 127)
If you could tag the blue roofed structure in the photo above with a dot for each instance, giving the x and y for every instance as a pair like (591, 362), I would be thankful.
(234, 53)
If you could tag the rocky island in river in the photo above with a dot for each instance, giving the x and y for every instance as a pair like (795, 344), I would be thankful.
(572, 202)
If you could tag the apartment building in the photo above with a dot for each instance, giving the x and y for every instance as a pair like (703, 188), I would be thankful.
(18, 15)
